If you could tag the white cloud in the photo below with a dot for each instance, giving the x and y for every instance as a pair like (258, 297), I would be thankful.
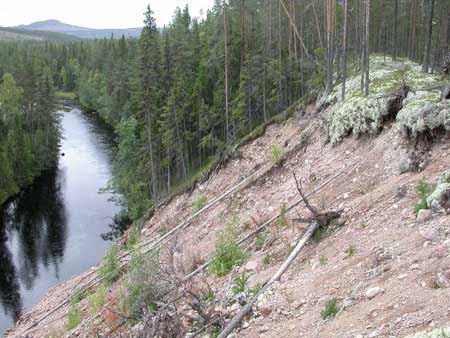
(94, 13)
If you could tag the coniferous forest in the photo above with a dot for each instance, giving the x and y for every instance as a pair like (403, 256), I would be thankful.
(180, 94)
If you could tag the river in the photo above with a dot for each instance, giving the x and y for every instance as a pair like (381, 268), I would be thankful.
(52, 230)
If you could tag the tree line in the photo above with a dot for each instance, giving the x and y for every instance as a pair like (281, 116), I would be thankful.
(29, 127)
(178, 95)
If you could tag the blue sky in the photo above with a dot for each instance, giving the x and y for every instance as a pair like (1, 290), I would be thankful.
(94, 13)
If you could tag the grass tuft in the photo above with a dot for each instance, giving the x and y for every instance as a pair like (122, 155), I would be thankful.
(330, 309)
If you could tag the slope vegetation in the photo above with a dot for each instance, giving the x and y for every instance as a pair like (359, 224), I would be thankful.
(382, 272)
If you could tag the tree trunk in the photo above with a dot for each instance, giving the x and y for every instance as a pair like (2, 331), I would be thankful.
(367, 45)
(394, 32)
(225, 32)
(429, 7)
(344, 66)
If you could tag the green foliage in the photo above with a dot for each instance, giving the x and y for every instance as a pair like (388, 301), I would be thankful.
(209, 296)
(319, 234)
(282, 222)
(27, 145)
(323, 260)
(266, 259)
(74, 317)
(199, 202)
(330, 310)
(240, 284)
(133, 237)
(65, 95)
(350, 251)
(227, 253)
(110, 268)
(276, 154)
(78, 297)
(260, 240)
(144, 285)
(97, 300)
(423, 190)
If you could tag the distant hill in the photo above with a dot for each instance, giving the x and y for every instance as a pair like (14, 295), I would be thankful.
(81, 32)
(17, 34)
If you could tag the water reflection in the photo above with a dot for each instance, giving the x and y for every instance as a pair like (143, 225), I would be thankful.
(9, 285)
(36, 221)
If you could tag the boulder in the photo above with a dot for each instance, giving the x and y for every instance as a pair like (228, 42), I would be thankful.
(424, 215)
(373, 292)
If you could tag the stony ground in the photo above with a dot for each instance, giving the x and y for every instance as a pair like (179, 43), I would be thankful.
(388, 271)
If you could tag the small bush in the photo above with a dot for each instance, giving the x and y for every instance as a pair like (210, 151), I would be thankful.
(209, 296)
(240, 284)
(330, 309)
(423, 190)
(74, 317)
(145, 285)
(97, 300)
(323, 260)
(319, 234)
(351, 250)
(260, 240)
(227, 253)
(110, 269)
(282, 222)
(276, 154)
(78, 297)
(266, 259)
(199, 202)
(133, 237)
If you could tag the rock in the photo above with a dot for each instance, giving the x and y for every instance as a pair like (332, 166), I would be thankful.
(373, 292)
(234, 308)
(440, 251)
(263, 329)
(251, 266)
(265, 311)
(424, 215)
(429, 235)
(245, 325)
(442, 281)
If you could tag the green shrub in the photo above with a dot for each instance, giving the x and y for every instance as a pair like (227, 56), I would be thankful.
(209, 296)
(323, 260)
(97, 300)
(260, 240)
(330, 309)
(74, 317)
(282, 222)
(319, 234)
(199, 202)
(266, 259)
(145, 285)
(227, 253)
(423, 190)
(133, 237)
(276, 154)
(78, 297)
(110, 268)
(351, 250)
(240, 284)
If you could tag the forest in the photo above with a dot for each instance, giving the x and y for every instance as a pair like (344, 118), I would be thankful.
(179, 95)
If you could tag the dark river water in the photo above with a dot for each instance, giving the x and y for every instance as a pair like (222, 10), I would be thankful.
(52, 230)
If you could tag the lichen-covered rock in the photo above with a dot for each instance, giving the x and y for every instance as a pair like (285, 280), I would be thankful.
(440, 197)
(437, 333)
(358, 114)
